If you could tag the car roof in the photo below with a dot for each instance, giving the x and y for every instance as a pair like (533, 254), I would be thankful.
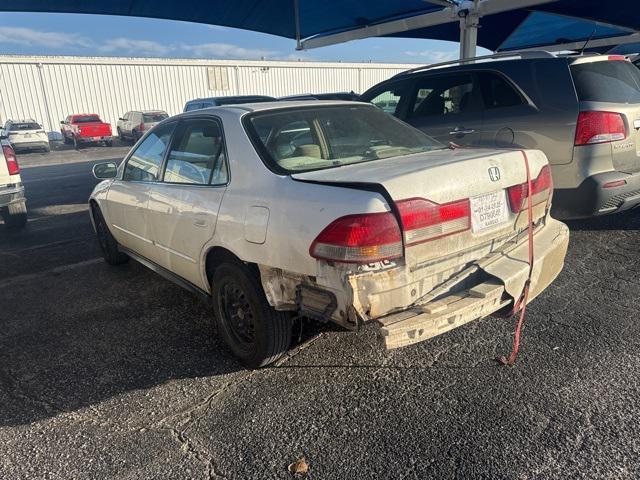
(238, 97)
(22, 120)
(278, 105)
(149, 111)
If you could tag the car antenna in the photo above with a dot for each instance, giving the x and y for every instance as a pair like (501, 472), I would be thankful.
(593, 32)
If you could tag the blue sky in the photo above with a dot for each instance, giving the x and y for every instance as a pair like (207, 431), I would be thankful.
(73, 34)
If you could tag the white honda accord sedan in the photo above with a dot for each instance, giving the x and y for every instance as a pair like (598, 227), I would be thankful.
(334, 211)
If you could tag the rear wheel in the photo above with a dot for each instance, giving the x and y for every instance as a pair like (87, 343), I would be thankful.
(109, 246)
(254, 331)
(15, 215)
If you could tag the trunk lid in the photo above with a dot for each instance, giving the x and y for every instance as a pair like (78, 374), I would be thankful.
(443, 177)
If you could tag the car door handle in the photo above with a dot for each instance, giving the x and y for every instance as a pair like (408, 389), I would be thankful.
(461, 131)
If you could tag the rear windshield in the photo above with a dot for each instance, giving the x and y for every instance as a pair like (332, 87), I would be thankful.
(314, 138)
(25, 126)
(154, 117)
(607, 81)
(87, 119)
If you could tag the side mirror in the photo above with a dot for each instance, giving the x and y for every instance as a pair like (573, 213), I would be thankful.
(62, 122)
(121, 119)
(104, 171)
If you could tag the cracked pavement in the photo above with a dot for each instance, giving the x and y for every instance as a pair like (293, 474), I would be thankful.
(116, 373)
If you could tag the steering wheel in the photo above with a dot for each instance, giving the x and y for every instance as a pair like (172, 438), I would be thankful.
(195, 170)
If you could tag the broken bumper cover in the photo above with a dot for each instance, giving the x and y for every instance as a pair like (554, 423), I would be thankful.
(508, 270)
(11, 194)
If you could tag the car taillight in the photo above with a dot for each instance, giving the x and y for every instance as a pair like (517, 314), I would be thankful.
(12, 161)
(423, 220)
(599, 127)
(362, 238)
(541, 188)
(141, 127)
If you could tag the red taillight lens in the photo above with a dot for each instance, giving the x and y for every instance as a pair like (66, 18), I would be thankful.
(599, 127)
(141, 127)
(423, 220)
(363, 238)
(12, 161)
(541, 191)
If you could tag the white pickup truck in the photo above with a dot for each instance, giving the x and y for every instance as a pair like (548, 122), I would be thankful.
(13, 207)
(332, 210)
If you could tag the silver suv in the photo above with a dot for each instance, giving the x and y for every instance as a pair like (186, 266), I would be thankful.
(582, 111)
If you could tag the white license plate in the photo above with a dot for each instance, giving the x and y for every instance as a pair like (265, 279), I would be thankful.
(489, 210)
(27, 135)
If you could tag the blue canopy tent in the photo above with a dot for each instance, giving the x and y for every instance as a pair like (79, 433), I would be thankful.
(498, 25)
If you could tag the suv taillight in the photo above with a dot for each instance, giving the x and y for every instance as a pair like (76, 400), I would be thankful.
(541, 188)
(424, 220)
(599, 127)
(12, 161)
(362, 238)
(141, 127)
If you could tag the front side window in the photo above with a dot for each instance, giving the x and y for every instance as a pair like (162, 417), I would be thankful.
(144, 163)
(313, 138)
(197, 155)
(443, 95)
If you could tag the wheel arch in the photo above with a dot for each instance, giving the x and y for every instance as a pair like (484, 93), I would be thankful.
(217, 255)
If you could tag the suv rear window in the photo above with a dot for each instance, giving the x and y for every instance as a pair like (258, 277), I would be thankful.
(87, 119)
(154, 117)
(25, 126)
(614, 81)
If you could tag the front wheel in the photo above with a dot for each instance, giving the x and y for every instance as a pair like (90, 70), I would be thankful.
(109, 246)
(15, 215)
(76, 144)
(254, 331)
(120, 135)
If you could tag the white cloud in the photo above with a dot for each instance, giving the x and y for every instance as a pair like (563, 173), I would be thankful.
(130, 46)
(31, 37)
(226, 50)
(434, 56)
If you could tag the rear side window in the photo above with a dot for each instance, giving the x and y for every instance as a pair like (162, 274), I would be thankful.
(443, 95)
(607, 81)
(197, 155)
(497, 92)
(144, 163)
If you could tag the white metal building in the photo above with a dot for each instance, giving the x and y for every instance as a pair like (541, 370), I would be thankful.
(48, 89)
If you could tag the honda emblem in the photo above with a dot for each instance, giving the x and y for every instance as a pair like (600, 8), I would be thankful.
(494, 174)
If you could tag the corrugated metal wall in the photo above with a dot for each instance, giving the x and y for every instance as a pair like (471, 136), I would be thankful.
(48, 89)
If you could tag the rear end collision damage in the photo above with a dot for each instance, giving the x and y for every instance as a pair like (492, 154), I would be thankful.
(416, 296)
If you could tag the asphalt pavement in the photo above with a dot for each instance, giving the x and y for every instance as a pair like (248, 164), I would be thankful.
(113, 372)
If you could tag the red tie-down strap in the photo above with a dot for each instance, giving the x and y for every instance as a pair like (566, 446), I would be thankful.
(521, 303)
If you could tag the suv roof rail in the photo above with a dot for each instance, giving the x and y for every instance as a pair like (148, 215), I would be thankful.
(494, 56)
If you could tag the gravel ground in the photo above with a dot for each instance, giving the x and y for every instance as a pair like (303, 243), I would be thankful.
(116, 373)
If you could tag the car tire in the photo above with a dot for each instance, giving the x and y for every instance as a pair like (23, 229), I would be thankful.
(108, 143)
(76, 144)
(109, 246)
(120, 135)
(15, 215)
(66, 139)
(46, 149)
(253, 330)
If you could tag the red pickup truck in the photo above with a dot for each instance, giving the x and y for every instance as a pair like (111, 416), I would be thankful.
(85, 128)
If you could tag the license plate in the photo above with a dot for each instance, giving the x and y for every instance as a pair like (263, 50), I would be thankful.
(489, 210)
(96, 139)
(27, 135)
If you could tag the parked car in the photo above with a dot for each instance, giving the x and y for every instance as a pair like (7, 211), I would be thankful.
(351, 223)
(582, 111)
(13, 206)
(84, 128)
(200, 103)
(348, 96)
(134, 124)
(26, 135)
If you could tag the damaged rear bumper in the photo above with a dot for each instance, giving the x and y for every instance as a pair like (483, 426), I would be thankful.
(507, 272)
